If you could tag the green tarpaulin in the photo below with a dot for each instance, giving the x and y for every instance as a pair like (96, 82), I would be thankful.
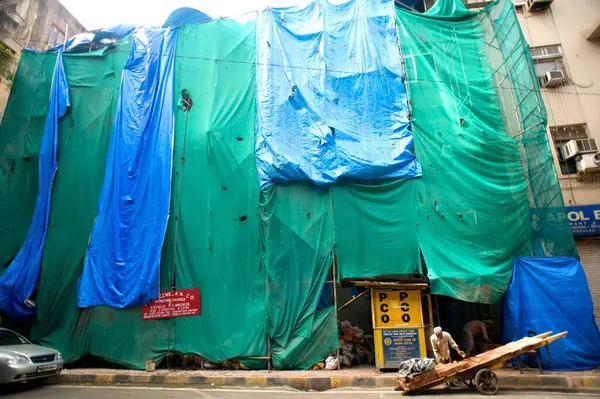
(20, 139)
(376, 229)
(217, 237)
(473, 210)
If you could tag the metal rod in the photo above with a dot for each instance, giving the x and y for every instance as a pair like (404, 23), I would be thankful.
(352, 300)
(334, 278)
(269, 354)
(254, 357)
(66, 36)
(437, 312)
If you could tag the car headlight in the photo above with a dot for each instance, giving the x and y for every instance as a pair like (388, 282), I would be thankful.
(58, 356)
(18, 359)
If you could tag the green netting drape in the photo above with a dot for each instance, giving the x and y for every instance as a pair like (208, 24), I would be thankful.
(217, 238)
(473, 207)
(297, 233)
(20, 139)
(302, 352)
(376, 229)
(517, 81)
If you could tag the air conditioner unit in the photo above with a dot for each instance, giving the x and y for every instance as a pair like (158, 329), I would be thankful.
(519, 3)
(578, 146)
(553, 78)
(534, 5)
(588, 163)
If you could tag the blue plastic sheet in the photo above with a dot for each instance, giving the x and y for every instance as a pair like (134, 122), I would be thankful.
(84, 42)
(18, 281)
(122, 259)
(552, 294)
(331, 96)
(185, 16)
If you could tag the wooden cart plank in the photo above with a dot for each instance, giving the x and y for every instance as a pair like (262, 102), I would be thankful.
(466, 369)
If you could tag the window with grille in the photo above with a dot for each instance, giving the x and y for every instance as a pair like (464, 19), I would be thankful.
(55, 37)
(547, 59)
(561, 136)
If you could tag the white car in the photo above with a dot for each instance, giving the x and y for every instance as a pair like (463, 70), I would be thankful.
(20, 360)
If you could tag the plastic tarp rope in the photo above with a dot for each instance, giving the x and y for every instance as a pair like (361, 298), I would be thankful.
(331, 98)
(552, 294)
(18, 281)
(121, 263)
(473, 213)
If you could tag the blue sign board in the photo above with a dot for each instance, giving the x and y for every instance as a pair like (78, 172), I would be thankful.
(584, 220)
(399, 344)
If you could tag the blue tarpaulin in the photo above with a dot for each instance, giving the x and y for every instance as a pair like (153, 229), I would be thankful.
(18, 281)
(552, 294)
(185, 16)
(331, 99)
(84, 42)
(122, 259)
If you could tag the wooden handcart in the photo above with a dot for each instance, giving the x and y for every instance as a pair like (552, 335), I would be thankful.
(476, 372)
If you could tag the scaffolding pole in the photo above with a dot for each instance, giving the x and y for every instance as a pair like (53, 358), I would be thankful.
(335, 305)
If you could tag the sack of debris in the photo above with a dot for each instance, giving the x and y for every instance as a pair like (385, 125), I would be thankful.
(412, 367)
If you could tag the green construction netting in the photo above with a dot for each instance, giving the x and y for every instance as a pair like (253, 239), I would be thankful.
(519, 91)
(217, 237)
(297, 232)
(20, 139)
(473, 210)
(303, 351)
(376, 229)
(261, 259)
(485, 168)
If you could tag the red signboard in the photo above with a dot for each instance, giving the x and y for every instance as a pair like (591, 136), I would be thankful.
(173, 304)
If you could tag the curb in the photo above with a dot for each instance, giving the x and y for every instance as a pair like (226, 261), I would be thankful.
(555, 382)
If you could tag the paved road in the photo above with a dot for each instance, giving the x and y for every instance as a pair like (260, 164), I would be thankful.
(130, 392)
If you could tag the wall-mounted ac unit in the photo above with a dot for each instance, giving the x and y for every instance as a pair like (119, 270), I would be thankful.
(553, 78)
(588, 163)
(534, 5)
(519, 3)
(578, 146)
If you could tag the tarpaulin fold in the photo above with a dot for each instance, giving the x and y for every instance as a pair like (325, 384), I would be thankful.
(331, 97)
(552, 294)
(297, 235)
(18, 281)
(121, 263)
(305, 350)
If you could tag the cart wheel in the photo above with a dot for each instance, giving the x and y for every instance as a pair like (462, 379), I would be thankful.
(486, 382)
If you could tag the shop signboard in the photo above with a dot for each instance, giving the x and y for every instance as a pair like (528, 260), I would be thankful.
(398, 326)
(400, 344)
(398, 308)
(172, 304)
(584, 220)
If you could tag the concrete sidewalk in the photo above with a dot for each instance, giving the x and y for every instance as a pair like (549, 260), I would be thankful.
(314, 380)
